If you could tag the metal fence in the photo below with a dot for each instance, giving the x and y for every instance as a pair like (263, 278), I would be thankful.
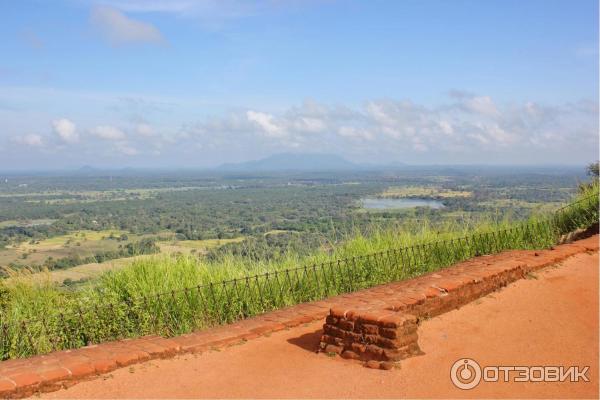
(205, 305)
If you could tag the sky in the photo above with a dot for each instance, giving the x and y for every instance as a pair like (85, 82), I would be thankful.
(198, 83)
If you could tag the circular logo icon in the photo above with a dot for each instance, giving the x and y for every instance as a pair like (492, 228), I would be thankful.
(465, 373)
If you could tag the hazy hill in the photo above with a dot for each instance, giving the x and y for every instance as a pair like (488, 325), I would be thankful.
(293, 162)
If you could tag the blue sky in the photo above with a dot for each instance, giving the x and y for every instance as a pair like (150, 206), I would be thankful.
(195, 83)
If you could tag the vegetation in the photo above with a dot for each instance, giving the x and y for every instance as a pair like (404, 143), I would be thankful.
(66, 251)
(422, 192)
(309, 210)
(594, 169)
(172, 295)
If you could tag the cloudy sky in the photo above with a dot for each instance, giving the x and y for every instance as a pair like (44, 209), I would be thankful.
(196, 83)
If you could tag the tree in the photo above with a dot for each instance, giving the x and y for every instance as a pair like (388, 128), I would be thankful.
(593, 169)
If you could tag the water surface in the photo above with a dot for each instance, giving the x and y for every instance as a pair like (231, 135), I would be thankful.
(390, 204)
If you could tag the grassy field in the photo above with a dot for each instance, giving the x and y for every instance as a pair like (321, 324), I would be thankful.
(79, 273)
(68, 239)
(194, 246)
(175, 294)
(92, 240)
(83, 243)
(396, 192)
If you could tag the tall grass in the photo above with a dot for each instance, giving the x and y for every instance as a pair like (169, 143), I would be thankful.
(171, 295)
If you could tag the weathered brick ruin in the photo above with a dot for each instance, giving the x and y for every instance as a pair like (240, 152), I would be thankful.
(380, 338)
(378, 326)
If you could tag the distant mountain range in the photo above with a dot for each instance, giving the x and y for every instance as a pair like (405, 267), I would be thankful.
(295, 162)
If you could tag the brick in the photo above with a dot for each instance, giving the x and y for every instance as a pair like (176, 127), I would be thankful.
(398, 342)
(332, 340)
(125, 358)
(387, 365)
(393, 333)
(432, 292)
(54, 374)
(334, 331)
(358, 347)
(395, 320)
(331, 348)
(369, 339)
(225, 342)
(26, 379)
(153, 349)
(338, 312)
(350, 355)
(6, 386)
(370, 317)
(104, 365)
(369, 329)
(353, 336)
(79, 369)
(374, 350)
(169, 345)
(346, 325)
(396, 355)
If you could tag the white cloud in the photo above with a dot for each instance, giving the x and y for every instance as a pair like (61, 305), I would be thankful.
(126, 149)
(66, 130)
(470, 125)
(481, 105)
(446, 127)
(266, 124)
(353, 132)
(169, 6)
(119, 29)
(32, 140)
(308, 124)
(379, 130)
(144, 129)
(208, 11)
(108, 132)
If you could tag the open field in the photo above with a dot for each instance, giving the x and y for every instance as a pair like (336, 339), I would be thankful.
(61, 241)
(89, 271)
(194, 246)
(81, 273)
(82, 244)
(396, 192)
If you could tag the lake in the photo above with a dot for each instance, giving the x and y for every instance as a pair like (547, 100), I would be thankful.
(388, 204)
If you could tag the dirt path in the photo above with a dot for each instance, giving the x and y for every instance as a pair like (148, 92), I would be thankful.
(550, 319)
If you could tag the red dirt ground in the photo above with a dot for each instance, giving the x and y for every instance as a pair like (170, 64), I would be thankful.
(550, 319)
